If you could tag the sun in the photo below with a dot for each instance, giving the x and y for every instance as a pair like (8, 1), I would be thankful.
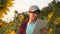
(4, 6)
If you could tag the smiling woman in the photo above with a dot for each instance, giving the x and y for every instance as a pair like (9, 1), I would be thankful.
(4, 4)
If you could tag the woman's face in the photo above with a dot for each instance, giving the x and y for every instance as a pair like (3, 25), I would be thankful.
(33, 16)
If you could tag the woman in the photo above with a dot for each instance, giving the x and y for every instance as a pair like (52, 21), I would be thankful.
(27, 26)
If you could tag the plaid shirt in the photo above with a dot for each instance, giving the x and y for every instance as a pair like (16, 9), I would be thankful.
(23, 27)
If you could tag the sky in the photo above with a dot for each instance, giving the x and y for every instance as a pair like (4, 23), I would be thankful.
(23, 6)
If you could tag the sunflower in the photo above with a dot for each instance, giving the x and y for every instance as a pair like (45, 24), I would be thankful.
(57, 20)
(50, 16)
(10, 32)
(4, 6)
(3, 25)
(21, 18)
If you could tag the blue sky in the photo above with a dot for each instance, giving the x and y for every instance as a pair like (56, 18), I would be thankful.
(23, 5)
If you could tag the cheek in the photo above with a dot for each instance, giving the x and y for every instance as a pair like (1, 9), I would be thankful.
(36, 16)
(32, 16)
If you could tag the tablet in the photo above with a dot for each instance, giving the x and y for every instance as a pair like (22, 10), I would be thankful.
(39, 24)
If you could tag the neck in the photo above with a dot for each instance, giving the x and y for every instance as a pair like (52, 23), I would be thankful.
(32, 21)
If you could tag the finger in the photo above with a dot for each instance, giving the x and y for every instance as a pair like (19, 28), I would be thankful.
(43, 27)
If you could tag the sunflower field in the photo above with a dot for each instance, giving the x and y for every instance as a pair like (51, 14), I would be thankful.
(50, 13)
(11, 27)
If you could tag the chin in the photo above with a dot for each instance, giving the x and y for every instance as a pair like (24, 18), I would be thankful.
(33, 18)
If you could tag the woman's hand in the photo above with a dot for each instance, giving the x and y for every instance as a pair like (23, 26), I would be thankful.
(43, 30)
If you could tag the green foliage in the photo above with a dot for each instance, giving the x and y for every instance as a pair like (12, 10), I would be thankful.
(2, 3)
(52, 7)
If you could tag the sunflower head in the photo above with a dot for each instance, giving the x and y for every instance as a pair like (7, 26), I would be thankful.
(4, 4)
